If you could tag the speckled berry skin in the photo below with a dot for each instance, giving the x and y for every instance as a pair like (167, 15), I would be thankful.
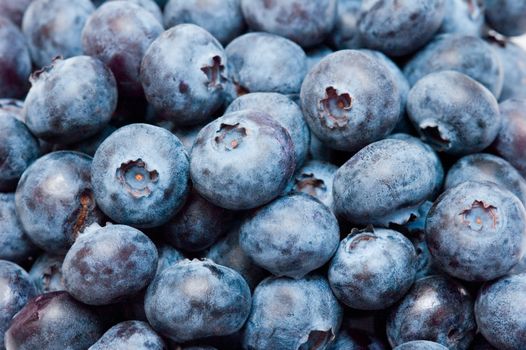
(500, 311)
(54, 321)
(513, 59)
(399, 28)
(70, 100)
(386, 182)
(16, 289)
(463, 17)
(222, 18)
(242, 160)
(487, 167)
(506, 16)
(476, 231)
(461, 53)
(53, 28)
(140, 175)
(342, 104)
(150, 6)
(292, 314)
(283, 110)
(196, 299)
(437, 309)
(420, 345)
(183, 74)
(14, 10)
(15, 66)
(345, 34)
(119, 33)
(54, 200)
(305, 22)
(46, 273)
(450, 121)
(128, 335)
(351, 339)
(372, 268)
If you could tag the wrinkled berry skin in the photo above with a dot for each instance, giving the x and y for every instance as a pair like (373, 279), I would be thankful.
(399, 28)
(46, 273)
(351, 339)
(15, 62)
(130, 335)
(372, 269)
(122, 50)
(54, 200)
(14, 10)
(420, 345)
(461, 53)
(292, 314)
(242, 160)
(305, 22)
(183, 74)
(54, 321)
(345, 34)
(222, 18)
(96, 276)
(500, 310)
(283, 110)
(463, 17)
(306, 242)
(506, 16)
(197, 225)
(197, 299)
(412, 170)
(70, 100)
(53, 28)
(449, 121)
(140, 175)
(513, 59)
(436, 308)
(342, 104)
(487, 167)
(150, 6)
(16, 289)
(465, 225)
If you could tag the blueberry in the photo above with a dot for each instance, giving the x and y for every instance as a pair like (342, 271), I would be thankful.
(441, 108)
(351, 339)
(183, 74)
(89, 145)
(197, 299)
(16, 62)
(386, 182)
(292, 314)
(437, 309)
(70, 100)
(399, 28)
(242, 160)
(315, 55)
(14, 10)
(54, 321)
(345, 33)
(350, 99)
(223, 19)
(464, 17)
(150, 6)
(119, 33)
(127, 335)
(168, 256)
(140, 175)
(12, 107)
(46, 273)
(187, 135)
(305, 22)
(506, 16)
(513, 59)
(420, 345)
(54, 200)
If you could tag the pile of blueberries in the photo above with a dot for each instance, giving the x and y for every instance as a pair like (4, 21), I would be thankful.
(262, 175)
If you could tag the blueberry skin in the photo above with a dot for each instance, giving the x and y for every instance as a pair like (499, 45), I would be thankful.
(342, 104)
(54, 321)
(14, 10)
(149, 5)
(437, 309)
(345, 35)
(16, 62)
(506, 16)
(197, 299)
(53, 27)
(500, 312)
(140, 175)
(222, 18)
(463, 17)
(16, 289)
(122, 50)
(351, 339)
(449, 120)
(263, 62)
(12, 107)
(242, 160)
(70, 100)
(487, 167)
(397, 28)
(55, 201)
(305, 22)
(420, 345)
(466, 225)
(411, 169)
(292, 314)
(168, 256)
(183, 74)
(46, 273)
(315, 55)
(461, 53)
(90, 145)
(126, 335)
(309, 235)
(513, 59)
(283, 110)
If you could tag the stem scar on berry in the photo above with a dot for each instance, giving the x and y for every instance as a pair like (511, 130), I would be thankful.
(136, 178)
(334, 108)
